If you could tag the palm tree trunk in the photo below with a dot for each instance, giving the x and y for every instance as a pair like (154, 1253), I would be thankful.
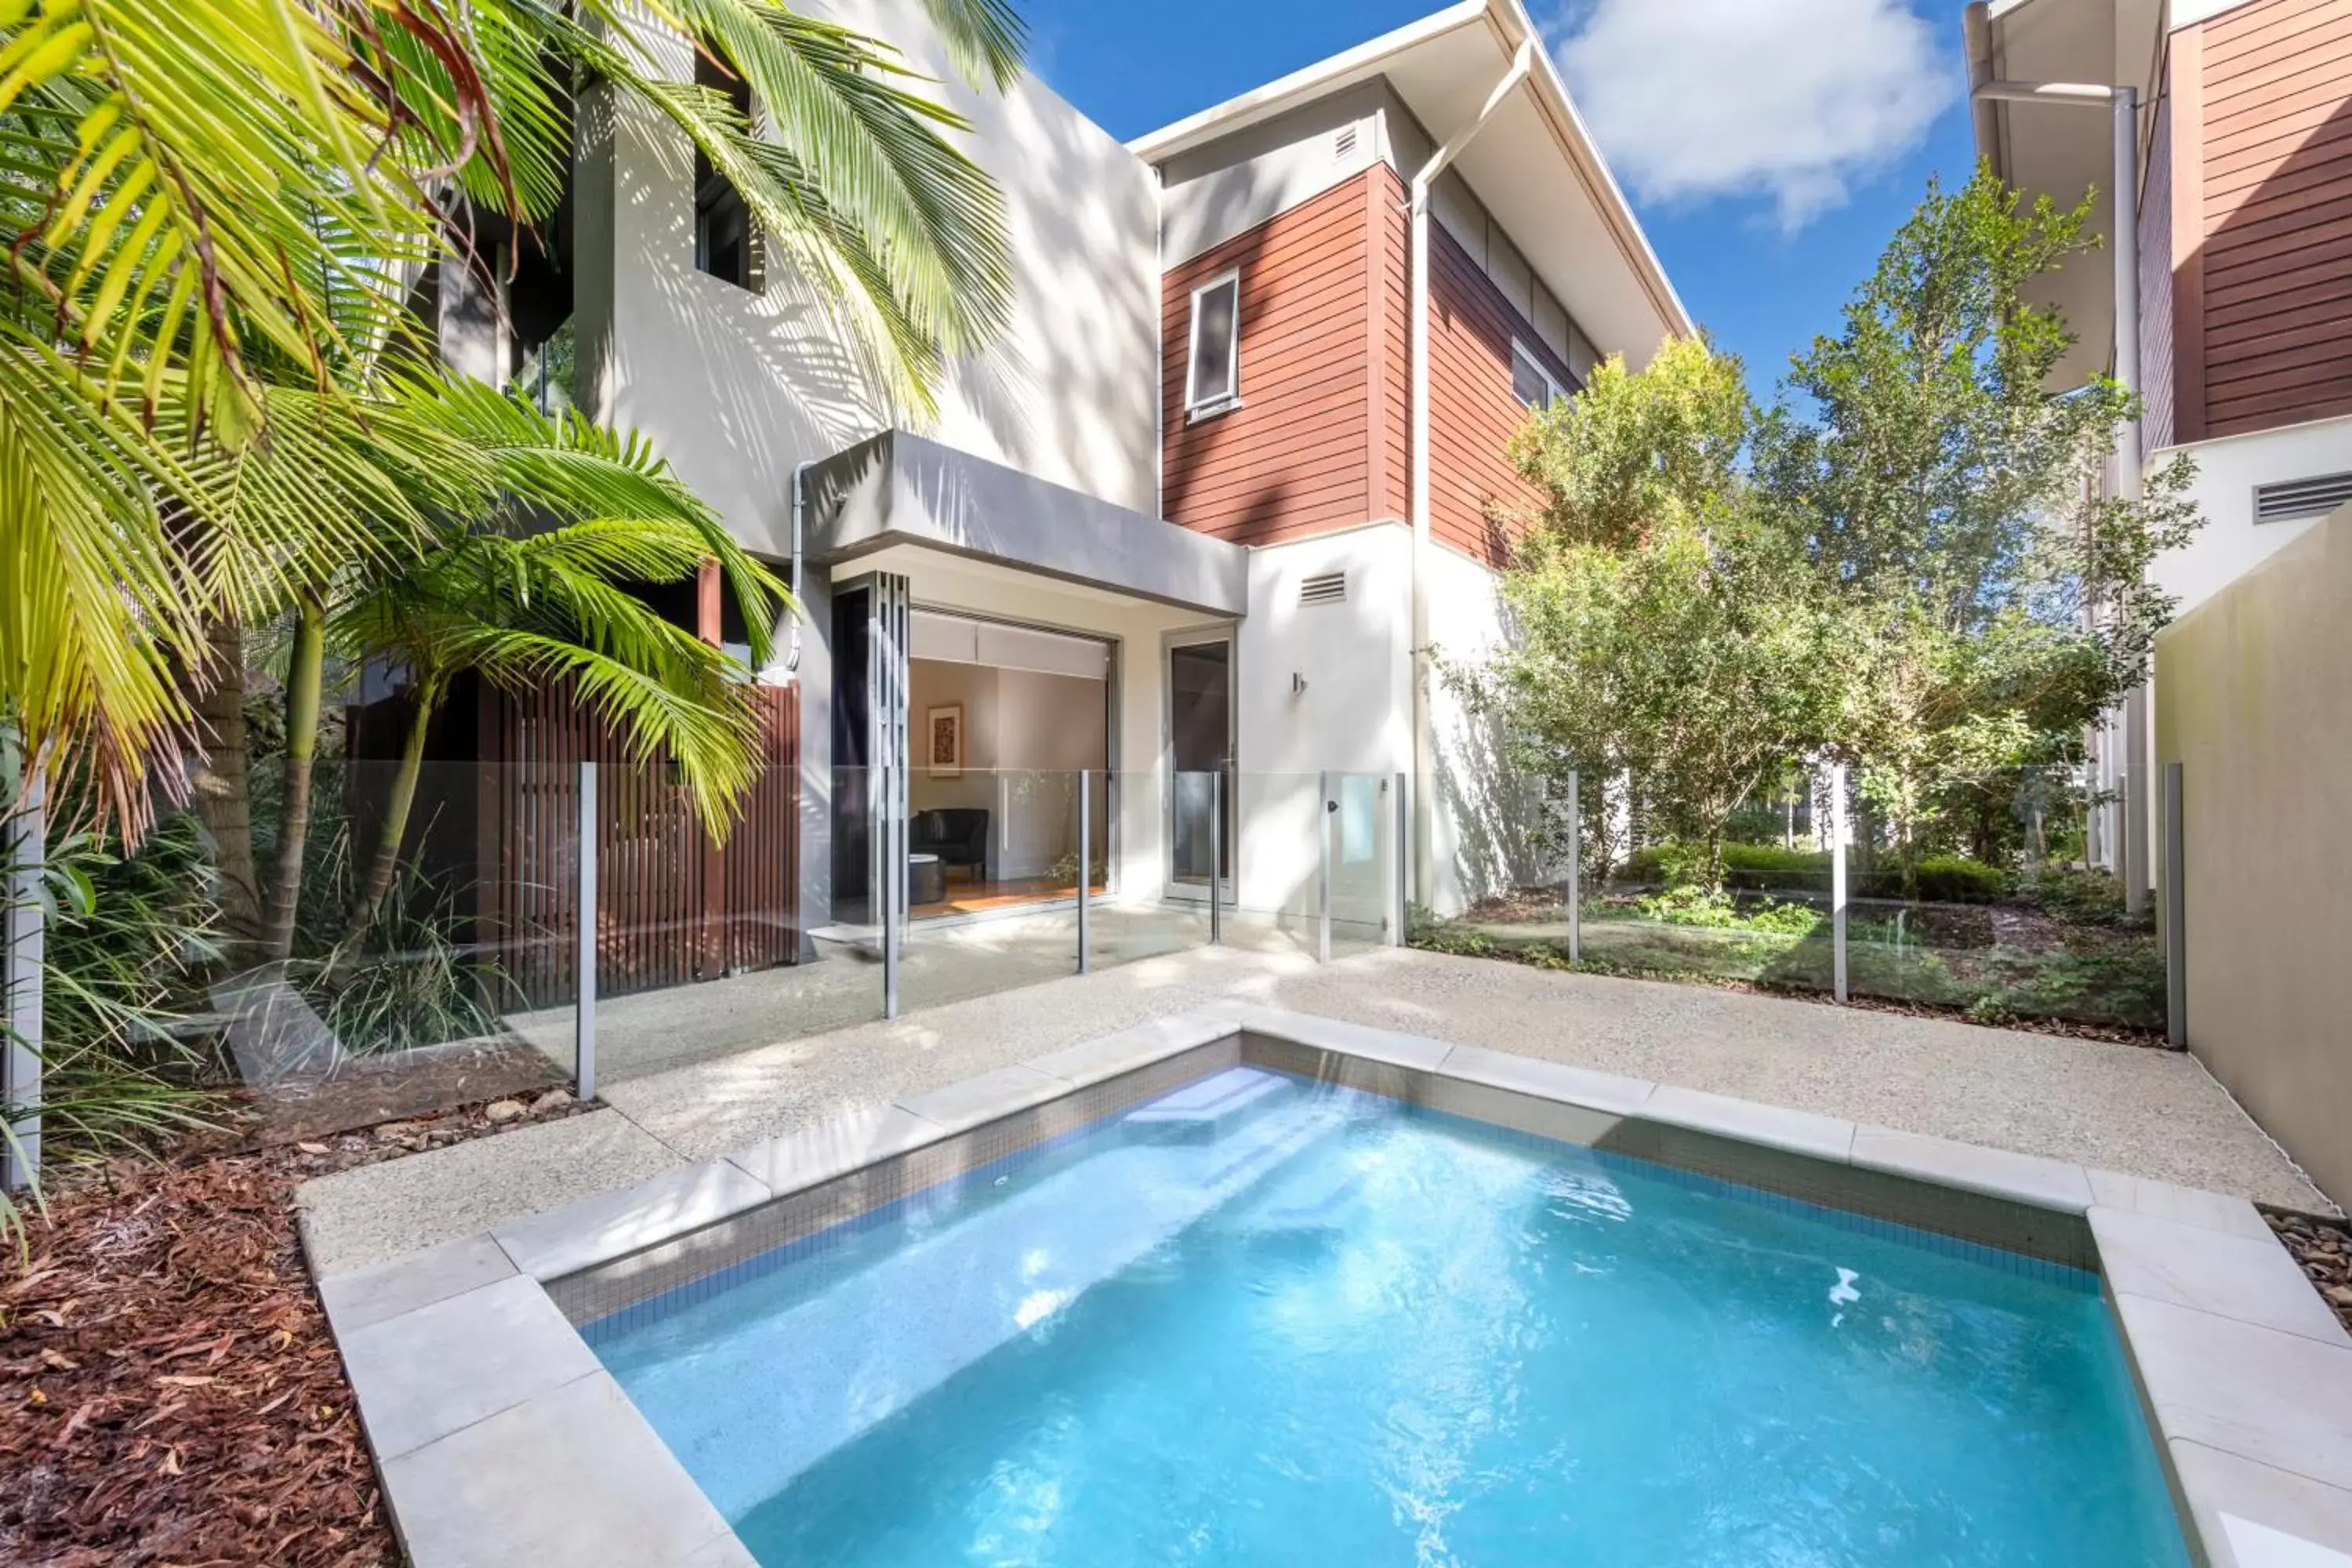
(396, 809)
(222, 780)
(304, 678)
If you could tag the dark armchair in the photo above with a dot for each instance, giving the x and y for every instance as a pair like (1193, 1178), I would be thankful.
(957, 835)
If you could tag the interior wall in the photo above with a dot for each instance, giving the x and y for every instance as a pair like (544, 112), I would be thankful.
(1027, 734)
(1138, 827)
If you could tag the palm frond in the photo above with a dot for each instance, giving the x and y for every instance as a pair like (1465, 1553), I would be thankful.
(852, 175)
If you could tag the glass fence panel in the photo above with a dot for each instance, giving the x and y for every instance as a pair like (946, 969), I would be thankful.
(1980, 904)
(423, 951)
(993, 873)
(712, 943)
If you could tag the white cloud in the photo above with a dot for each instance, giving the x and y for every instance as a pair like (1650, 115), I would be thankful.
(1789, 100)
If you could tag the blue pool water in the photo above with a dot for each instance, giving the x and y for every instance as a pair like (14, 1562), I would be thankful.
(1262, 1322)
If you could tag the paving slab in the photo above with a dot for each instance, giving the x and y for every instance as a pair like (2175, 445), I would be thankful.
(2275, 1398)
(368, 1296)
(2249, 1279)
(573, 1476)
(425, 1374)
(599, 1227)
(2043, 1182)
(373, 1213)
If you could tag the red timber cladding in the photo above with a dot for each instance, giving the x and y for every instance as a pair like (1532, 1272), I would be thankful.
(2265, 94)
(1473, 488)
(1321, 440)
(1294, 459)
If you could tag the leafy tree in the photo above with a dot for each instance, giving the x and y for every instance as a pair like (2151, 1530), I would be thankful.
(1952, 499)
(1669, 628)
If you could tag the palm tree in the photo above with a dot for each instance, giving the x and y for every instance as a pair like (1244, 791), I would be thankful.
(527, 591)
(218, 207)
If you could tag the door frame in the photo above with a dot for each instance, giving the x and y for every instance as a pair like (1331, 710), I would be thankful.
(1229, 633)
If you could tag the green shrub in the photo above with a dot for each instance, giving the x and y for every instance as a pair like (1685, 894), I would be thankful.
(2081, 898)
(1690, 906)
(1943, 879)
(1753, 866)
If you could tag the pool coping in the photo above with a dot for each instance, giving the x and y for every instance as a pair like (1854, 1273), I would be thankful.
(499, 1436)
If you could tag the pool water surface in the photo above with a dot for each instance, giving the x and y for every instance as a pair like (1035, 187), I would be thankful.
(1263, 1321)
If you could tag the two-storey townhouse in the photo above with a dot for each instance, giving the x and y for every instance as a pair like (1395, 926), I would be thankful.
(2240, 306)
(2232, 761)
(1202, 525)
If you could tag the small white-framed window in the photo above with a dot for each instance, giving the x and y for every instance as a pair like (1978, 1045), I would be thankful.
(1531, 382)
(1212, 372)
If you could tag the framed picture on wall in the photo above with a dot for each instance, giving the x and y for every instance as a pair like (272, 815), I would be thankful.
(943, 728)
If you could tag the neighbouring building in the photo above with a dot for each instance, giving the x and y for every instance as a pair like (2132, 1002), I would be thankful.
(2239, 316)
(1215, 504)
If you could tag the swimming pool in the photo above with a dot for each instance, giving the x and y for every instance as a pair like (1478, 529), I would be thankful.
(1260, 1320)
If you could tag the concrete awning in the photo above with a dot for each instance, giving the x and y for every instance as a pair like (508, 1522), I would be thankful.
(901, 489)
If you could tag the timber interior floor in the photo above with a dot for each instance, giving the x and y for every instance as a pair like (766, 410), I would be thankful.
(972, 897)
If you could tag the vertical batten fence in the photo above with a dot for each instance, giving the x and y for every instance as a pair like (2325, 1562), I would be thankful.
(25, 845)
(1839, 833)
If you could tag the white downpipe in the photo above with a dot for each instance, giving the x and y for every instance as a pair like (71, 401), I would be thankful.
(2124, 734)
(1522, 62)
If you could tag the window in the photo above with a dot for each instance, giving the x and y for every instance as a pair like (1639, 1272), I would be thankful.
(1213, 380)
(726, 244)
(1532, 384)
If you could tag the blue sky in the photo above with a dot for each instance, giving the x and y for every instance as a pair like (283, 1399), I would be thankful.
(1768, 170)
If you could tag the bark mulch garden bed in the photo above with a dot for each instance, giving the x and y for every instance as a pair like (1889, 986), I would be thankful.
(170, 1393)
(2324, 1248)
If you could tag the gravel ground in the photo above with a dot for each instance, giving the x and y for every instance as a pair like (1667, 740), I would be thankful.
(2128, 1108)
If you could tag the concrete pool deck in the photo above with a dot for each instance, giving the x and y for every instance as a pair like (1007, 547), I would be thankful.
(2130, 1109)
(502, 1436)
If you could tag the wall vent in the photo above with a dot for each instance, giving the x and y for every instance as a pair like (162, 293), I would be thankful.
(1325, 588)
(2301, 497)
(1343, 146)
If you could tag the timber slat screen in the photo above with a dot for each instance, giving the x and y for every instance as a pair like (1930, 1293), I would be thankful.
(673, 906)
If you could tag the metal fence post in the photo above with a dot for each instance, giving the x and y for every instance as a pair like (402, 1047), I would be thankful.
(2176, 912)
(27, 847)
(1085, 864)
(891, 894)
(1575, 870)
(584, 1016)
(1323, 866)
(1216, 852)
(1838, 835)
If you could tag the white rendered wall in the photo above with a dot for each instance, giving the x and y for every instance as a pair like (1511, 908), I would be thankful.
(735, 388)
(1479, 817)
(2231, 543)
(1324, 687)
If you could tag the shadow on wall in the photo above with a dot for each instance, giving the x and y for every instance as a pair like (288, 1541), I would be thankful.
(737, 386)
(1495, 811)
